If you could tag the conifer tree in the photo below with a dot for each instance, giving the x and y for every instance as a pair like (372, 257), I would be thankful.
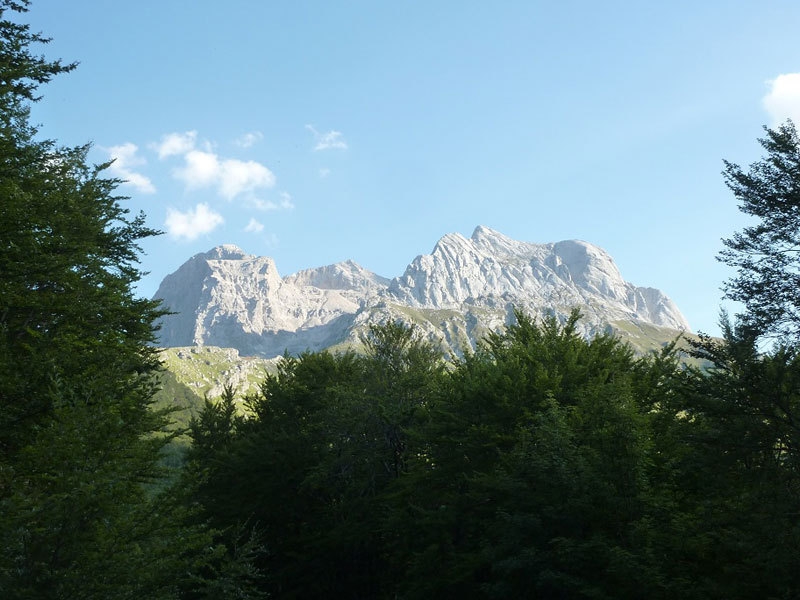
(767, 253)
(80, 512)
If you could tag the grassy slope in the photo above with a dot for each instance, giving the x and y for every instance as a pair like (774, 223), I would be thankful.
(193, 373)
(649, 338)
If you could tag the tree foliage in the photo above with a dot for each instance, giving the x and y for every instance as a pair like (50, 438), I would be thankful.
(536, 473)
(524, 467)
(736, 529)
(542, 465)
(81, 514)
(767, 254)
(312, 467)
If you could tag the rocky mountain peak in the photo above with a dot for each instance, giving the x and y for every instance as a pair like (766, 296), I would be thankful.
(225, 252)
(462, 289)
(496, 243)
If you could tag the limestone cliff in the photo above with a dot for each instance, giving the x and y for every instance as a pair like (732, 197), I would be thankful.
(463, 289)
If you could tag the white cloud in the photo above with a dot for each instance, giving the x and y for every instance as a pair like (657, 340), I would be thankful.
(249, 139)
(176, 143)
(324, 172)
(193, 223)
(285, 203)
(201, 169)
(329, 140)
(254, 226)
(125, 159)
(783, 99)
(231, 177)
(237, 177)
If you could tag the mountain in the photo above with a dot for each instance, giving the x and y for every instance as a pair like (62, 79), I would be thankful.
(465, 288)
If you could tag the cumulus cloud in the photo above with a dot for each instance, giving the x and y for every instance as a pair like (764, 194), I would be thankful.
(125, 160)
(329, 140)
(783, 99)
(254, 226)
(176, 143)
(237, 177)
(230, 176)
(202, 167)
(249, 139)
(192, 223)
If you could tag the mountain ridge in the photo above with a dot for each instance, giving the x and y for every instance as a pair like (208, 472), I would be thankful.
(463, 289)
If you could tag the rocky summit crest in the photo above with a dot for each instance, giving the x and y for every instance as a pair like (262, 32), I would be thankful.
(459, 292)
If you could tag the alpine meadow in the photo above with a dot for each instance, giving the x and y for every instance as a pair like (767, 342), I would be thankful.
(548, 460)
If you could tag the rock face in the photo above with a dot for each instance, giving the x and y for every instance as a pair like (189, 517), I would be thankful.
(462, 290)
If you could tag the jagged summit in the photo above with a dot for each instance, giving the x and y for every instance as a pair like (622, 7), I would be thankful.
(464, 288)
(537, 277)
(224, 252)
(489, 239)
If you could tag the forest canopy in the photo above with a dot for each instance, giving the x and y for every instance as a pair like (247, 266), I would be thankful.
(543, 465)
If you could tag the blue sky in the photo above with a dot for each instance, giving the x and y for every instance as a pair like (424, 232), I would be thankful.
(314, 132)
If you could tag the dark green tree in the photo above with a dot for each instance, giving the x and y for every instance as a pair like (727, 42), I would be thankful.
(726, 457)
(743, 415)
(535, 477)
(725, 438)
(542, 464)
(312, 467)
(766, 254)
(81, 515)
